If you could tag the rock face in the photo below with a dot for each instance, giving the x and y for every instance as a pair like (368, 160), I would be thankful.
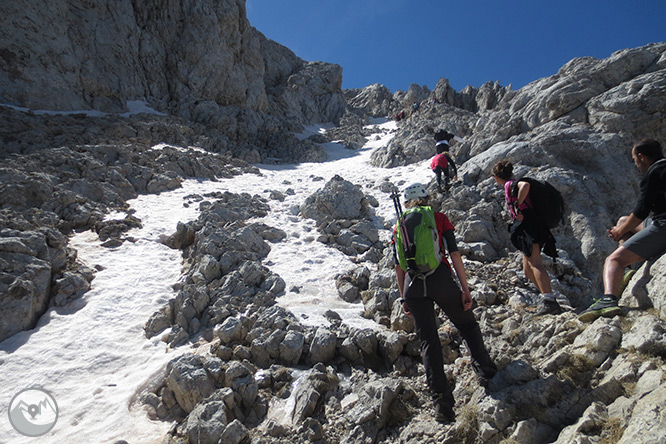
(173, 55)
(199, 60)
(29, 260)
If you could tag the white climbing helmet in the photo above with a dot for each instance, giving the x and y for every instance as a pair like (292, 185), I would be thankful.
(415, 191)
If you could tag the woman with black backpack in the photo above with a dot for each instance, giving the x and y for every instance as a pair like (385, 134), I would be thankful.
(528, 233)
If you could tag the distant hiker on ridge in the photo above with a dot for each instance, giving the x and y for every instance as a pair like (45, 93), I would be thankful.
(442, 163)
(529, 234)
(424, 278)
(640, 238)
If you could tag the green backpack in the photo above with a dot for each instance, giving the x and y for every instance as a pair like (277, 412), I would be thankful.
(419, 251)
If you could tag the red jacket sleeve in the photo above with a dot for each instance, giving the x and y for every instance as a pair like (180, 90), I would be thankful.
(443, 222)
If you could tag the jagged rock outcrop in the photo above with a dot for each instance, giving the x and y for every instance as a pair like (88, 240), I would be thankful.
(200, 61)
(373, 100)
(586, 91)
(34, 260)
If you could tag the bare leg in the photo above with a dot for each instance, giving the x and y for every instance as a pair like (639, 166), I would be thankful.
(536, 271)
(614, 269)
(528, 272)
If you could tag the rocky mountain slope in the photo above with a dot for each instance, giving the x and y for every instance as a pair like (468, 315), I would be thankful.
(230, 97)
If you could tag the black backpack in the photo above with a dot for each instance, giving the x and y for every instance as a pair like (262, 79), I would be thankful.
(443, 135)
(547, 202)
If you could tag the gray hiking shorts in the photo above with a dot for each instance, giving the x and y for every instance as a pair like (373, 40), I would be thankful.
(650, 242)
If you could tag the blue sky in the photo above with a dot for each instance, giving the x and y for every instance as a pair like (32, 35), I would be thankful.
(470, 42)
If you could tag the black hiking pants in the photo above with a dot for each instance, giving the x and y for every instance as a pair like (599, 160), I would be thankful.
(439, 172)
(441, 289)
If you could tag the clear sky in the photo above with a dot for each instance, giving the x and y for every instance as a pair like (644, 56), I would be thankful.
(470, 42)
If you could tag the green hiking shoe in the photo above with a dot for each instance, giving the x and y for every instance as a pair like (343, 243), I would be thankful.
(606, 306)
(626, 279)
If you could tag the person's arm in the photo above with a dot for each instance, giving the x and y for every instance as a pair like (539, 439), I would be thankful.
(459, 267)
(453, 167)
(523, 191)
(400, 277)
(631, 222)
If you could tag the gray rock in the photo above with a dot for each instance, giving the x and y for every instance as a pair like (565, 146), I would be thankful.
(189, 381)
(234, 433)
(230, 331)
(348, 292)
(70, 286)
(246, 70)
(291, 347)
(207, 422)
(646, 424)
(323, 346)
(312, 388)
(26, 281)
(648, 287)
(240, 379)
(647, 335)
(339, 199)
(593, 418)
(376, 399)
(598, 340)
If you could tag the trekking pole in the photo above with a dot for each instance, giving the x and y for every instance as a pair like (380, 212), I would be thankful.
(401, 220)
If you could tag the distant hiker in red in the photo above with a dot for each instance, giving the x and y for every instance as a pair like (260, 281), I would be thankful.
(440, 165)
(443, 162)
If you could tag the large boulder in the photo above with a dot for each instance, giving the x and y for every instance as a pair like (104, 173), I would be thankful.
(339, 199)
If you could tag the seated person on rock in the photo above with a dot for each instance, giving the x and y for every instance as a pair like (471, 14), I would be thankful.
(640, 238)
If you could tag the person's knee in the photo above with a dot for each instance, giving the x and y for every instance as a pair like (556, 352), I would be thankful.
(535, 262)
(621, 258)
(621, 220)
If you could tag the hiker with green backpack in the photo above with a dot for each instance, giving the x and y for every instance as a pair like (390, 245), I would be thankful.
(535, 208)
(425, 278)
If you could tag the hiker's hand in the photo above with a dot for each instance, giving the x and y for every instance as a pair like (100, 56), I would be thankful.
(466, 299)
(405, 308)
(517, 212)
(614, 233)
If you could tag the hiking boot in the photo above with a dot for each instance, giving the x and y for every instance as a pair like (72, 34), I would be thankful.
(443, 411)
(484, 371)
(606, 306)
(549, 306)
